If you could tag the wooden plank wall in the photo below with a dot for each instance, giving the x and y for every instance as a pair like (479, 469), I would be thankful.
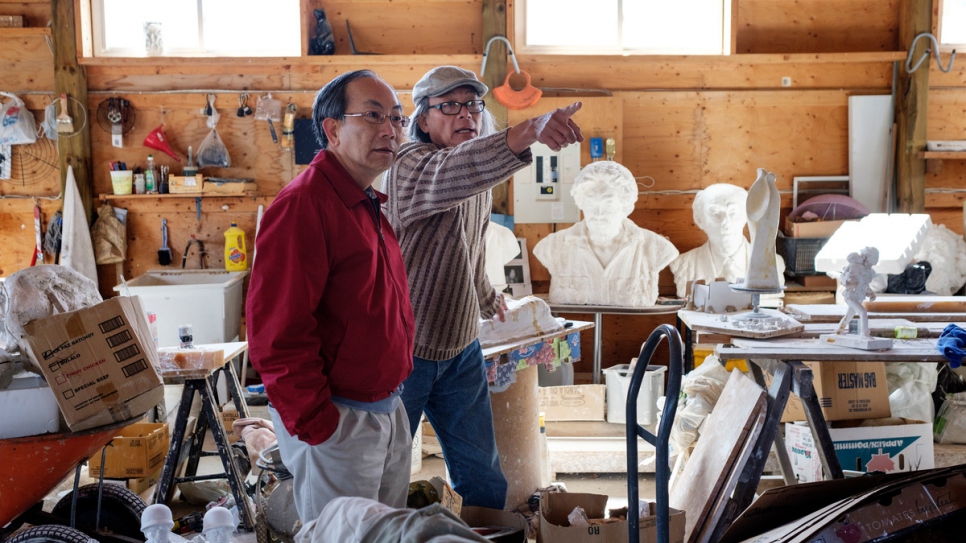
(685, 122)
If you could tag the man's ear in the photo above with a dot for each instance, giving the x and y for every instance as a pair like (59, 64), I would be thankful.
(331, 128)
(422, 122)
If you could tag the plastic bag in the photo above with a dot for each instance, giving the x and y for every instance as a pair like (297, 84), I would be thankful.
(109, 237)
(17, 125)
(950, 424)
(212, 151)
(911, 385)
(700, 390)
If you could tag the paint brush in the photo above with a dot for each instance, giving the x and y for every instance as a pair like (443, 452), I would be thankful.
(65, 125)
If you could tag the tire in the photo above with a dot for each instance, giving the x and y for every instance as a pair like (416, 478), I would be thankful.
(120, 509)
(51, 534)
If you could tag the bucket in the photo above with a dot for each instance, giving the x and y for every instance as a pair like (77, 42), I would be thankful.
(618, 382)
(123, 181)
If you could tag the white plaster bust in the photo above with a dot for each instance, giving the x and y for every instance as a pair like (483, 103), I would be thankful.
(855, 279)
(719, 211)
(605, 259)
(763, 207)
(501, 247)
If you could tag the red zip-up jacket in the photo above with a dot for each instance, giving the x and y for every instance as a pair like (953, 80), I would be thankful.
(328, 309)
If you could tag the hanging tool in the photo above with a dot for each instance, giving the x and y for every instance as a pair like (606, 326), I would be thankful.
(38, 256)
(65, 124)
(352, 42)
(288, 126)
(243, 109)
(268, 109)
(164, 253)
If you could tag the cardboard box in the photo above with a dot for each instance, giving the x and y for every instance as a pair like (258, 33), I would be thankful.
(575, 402)
(138, 450)
(889, 449)
(818, 281)
(477, 517)
(846, 391)
(229, 416)
(813, 229)
(178, 184)
(555, 528)
(99, 361)
(229, 187)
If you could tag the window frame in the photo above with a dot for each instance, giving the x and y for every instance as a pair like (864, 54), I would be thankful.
(938, 31)
(520, 46)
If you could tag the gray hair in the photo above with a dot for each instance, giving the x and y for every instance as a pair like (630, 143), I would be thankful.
(487, 122)
(331, 102)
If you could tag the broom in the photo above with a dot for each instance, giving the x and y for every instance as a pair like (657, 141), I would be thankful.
(65, 125)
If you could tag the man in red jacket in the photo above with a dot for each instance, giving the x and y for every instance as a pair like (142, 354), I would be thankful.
(330, 326)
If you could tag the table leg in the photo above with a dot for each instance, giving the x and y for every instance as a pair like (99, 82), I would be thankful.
(784, 462)
(802, 386)
(598, 345)
(165, 488)
(235, 389)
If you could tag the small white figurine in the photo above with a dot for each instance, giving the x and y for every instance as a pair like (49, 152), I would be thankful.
(719, 211)
(156, 523)
(218, 525)
(605, 259)
(855, 280)
(763, 207)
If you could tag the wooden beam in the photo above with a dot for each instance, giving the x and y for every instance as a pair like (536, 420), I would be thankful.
(494, 24)
(912, 104)
(71, 79)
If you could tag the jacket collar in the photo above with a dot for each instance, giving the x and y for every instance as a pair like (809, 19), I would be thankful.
(349, 192)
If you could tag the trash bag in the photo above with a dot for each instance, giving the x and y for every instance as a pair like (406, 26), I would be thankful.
(212, 151)
(911, 385)
(950, 423)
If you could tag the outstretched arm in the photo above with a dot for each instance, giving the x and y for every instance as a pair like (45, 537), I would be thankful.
(555, 130)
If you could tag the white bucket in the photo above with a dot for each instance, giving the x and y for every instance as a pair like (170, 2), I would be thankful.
(619, 381)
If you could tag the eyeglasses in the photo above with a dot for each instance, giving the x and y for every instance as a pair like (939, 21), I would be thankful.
(453, 108)
(374, 117)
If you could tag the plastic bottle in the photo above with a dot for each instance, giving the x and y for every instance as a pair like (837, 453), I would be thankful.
(150, 175)
(546, 474)
(236, 256)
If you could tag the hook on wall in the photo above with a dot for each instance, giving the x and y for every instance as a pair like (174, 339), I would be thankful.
(934, 49)
(508, 47)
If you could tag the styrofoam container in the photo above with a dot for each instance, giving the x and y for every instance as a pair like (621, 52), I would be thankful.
(209, 300)
(28, 408)
(946, 145)
(618, 382)
(897, 236)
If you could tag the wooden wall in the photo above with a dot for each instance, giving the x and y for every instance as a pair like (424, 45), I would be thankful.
(686, 122)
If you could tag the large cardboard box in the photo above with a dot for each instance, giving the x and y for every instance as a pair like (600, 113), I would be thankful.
(889, 449)
(138, 451)
(846, 391)
(99, 361)
(813, 229)
(574, 402)
(555, 528)
(477, 517)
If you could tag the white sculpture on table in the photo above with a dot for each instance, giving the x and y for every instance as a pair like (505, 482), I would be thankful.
(763, 208)
(719, 211)
(855, 279)
(605, 259)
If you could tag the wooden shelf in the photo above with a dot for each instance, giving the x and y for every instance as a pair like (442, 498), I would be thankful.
(942, 155)
(8, 32)
(198, 195)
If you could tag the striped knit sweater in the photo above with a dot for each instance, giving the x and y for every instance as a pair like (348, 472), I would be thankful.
(439, 205)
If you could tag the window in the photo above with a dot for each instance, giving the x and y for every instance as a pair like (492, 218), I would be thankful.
(607, 27)
(952, 23)
(206, 28)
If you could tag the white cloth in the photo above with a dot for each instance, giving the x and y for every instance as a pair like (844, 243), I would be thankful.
(368, 456)
(699, 263)
(361, 520)
(630, 278)
(77, 250)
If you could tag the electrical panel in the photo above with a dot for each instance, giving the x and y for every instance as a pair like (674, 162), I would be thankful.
(541, 191)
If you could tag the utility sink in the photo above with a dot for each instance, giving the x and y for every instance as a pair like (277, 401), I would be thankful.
(209, 300)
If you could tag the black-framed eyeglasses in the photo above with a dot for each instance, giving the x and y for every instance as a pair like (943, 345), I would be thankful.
(453, 108)
(374, 117)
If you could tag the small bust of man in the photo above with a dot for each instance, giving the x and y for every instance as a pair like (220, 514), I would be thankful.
(719, 211)
(605, 259)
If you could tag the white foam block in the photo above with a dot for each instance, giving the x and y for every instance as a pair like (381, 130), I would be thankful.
(865, 343)
(28, 408)
(897, 236)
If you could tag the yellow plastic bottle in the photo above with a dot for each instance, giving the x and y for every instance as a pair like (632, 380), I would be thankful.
(236, 256)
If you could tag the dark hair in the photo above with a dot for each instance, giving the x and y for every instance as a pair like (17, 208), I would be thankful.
(331, 102)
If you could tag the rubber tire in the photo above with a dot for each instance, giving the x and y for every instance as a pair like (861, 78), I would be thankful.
(120, 509)
(51, 533)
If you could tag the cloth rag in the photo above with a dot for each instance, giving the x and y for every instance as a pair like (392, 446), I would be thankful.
(258, 435)
(77, 250)
(952, 344)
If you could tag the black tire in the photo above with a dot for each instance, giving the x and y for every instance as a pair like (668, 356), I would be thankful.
(120, 509)
(51, 533)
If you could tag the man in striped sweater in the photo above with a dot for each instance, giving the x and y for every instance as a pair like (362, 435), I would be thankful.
(439, 205)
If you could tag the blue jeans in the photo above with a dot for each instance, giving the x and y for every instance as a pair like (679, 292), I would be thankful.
(456, 399)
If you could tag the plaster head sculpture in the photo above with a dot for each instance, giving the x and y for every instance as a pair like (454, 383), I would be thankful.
(156, 523)
(763, 208)
(605, 258)
(720, 211)
(219, 523)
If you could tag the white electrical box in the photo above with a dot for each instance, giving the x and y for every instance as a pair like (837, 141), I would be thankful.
(541, 191)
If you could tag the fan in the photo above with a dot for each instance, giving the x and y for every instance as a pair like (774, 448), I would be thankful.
(33, 163)
(116, 116)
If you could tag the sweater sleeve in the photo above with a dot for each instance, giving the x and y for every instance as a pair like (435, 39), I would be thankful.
(285, 290)
(428, 179)
(487, 296)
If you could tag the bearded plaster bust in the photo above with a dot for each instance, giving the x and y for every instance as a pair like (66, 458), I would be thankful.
(605, 259)
(720, 212)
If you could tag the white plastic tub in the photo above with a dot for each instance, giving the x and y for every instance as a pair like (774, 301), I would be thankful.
(619, 382)
(209, 300)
